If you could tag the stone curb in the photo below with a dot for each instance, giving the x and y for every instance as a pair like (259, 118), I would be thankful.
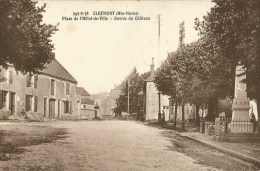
(224, 150)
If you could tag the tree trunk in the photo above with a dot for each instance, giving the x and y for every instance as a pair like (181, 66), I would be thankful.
(197, 115)
(212, 108)
(175, 115)
(258, 108)
(183, 117)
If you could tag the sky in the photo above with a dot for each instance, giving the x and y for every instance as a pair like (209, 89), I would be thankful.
(100, 54)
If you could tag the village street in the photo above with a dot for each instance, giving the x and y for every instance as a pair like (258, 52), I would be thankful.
(106, 145)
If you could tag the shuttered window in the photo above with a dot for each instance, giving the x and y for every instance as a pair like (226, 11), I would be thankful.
(70, 107)
(52, 86)
(35, 81)
(10, 77)
(1, 99)
(28, 80)
(2, 74)
(28, 105)
(35, 103)
(67, 88)
(3, 95)
(67, 107)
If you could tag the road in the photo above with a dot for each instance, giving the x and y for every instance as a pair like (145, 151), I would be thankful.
(117, 145)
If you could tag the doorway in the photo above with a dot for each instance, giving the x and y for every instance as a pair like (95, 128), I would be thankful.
(52, 108)
(12, 102)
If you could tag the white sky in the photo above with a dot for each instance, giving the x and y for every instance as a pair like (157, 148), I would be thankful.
(100, 54)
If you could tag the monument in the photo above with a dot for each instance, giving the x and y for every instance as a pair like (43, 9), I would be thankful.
(240, 122)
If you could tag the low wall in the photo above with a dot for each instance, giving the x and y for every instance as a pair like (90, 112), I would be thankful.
(68, 117)
(87, 114)
(4, 114)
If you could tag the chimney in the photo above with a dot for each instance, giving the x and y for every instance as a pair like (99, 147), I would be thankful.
(152, 66)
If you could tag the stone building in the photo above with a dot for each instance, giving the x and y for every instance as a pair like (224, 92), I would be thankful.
(51, 93)
(114, 95)
(85, 105)
(152, 97)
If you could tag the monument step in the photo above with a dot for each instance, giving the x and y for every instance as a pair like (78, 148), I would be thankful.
(244, 134)
(243, 139)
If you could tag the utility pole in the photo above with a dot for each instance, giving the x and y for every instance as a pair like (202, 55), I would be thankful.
(128, 85)
(159, 53)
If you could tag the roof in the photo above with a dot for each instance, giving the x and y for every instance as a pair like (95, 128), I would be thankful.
(81, 91)
(87, 101)
(150, 78)
(55, 69)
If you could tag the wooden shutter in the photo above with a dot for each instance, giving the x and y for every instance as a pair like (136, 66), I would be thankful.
(35, 103)
(67, 88)
(27, 103)
(70, 107)
(1, 73)
(11, 77)
(35, 81)
(28, 80)
(52, 86)
(1, 99)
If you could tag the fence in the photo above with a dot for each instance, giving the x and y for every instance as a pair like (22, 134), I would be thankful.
(226, 125)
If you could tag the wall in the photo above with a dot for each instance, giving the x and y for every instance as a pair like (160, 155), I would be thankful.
(42, 91)
(152, 103)
(87, 113)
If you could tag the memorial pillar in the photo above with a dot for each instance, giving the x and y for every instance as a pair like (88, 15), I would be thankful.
(240, 107)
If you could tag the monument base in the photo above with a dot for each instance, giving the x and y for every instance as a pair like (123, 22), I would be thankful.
(243, 127)
(239, 137)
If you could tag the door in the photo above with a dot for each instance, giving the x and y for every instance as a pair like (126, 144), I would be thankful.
(12, 102)
(45, 107)
(58, 109)
(52, 108)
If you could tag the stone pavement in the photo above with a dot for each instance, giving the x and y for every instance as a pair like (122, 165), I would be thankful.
(246, 151)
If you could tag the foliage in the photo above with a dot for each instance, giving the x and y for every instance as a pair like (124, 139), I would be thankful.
(136, 93)
(204, 70)
(24, 39)
(231, 32)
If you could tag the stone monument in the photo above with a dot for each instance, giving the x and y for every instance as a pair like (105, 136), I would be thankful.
(240, 116)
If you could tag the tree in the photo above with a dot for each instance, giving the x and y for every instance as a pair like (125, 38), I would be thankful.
(231, 32)
(24, 40)
(136, 94)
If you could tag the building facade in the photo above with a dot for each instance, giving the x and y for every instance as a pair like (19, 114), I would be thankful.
(85, 105)
(51, 93)
(154, 101)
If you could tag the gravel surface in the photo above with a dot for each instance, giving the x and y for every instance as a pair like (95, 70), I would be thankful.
(108, 145)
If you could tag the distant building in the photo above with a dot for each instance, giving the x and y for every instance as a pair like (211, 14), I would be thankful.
(152, 99)
(85, 104)
(114, 95)
(102, 101)
(51, 93)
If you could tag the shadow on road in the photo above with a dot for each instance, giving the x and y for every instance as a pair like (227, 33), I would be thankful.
(205, 155)
(14, 137)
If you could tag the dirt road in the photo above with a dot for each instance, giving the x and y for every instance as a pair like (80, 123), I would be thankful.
(112, 145)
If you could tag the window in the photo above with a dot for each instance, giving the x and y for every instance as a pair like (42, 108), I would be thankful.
(10, 77)
(28, 105)
(28, 80)
(67, 88)
(52, 86)
(84, 106)
(35, 81)
(2, 99)
(45, 106)
(70, 107)
(67, 107)
(2, 74)
(58, 107)
(35, 103)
